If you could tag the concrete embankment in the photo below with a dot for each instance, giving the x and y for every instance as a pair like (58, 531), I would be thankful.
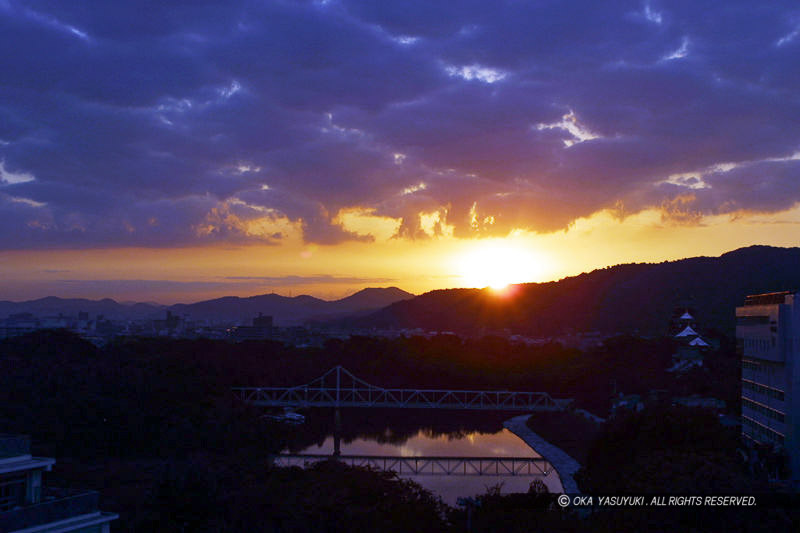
(565, 465)
(589, 416)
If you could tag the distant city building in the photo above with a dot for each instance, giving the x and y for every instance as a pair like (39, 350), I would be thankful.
(581, 340)
(697, 401)
(260, 330)
(18, 324)
(768, 335)
(27, 507)
(262, 321)
(169, 326)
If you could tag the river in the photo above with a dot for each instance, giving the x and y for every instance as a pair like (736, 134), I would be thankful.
(443, 434)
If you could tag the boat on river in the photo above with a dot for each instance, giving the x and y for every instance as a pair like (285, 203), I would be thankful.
(287, 417)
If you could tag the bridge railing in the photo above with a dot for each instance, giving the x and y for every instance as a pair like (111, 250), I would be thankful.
(410, 398)
(430, 466)
(339, 388)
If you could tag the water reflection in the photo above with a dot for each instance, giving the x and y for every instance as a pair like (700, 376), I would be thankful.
(426, 444)
(395, 426)
(451, 437)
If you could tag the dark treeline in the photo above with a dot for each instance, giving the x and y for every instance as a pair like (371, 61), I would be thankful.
(153, 425)
(152, 395)
(621, 364)
(665, 450)
(673, 450)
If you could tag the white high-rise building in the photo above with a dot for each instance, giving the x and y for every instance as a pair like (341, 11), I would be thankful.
(26, 506)
(768, 332)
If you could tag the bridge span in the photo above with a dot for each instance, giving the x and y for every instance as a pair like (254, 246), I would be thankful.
(339, 388)
(430, 466)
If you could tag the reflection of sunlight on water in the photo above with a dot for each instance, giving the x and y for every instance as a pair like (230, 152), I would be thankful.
(407, 451)
(475, 444)
(501, 444)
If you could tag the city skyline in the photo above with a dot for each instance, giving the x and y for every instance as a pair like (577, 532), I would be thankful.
(180, 153)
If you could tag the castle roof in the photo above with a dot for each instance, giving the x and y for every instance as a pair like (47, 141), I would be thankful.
(698, 342)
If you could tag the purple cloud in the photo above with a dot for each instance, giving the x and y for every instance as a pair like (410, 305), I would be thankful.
(185, 123)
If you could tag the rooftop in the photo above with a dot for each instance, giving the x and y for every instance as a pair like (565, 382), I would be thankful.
(57, 505)
(770, 298)
(687, 332)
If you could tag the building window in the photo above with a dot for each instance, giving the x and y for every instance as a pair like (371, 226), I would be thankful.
(761, 389)
(749, 365)
(752, 320)
(760, 433)
(763, 409)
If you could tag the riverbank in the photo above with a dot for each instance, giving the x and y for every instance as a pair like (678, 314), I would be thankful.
(565, 466)
(572, 432)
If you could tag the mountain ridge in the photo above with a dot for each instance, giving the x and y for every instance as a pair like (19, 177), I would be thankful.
(636, 298)
(285, 310)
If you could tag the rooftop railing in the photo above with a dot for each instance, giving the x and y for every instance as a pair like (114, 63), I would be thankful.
(56, 504)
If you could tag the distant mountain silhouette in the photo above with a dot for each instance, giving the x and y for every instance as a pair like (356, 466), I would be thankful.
(294, 310)
(372, 299)
(53, 306)
(629, 298)
(233, 309)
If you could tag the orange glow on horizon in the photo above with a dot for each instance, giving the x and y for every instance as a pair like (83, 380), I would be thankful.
(292, 267)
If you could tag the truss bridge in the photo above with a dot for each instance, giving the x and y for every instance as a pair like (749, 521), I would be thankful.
(339, 388)
(430, 466)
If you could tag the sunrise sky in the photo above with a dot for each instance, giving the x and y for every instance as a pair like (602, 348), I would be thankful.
(182, 152)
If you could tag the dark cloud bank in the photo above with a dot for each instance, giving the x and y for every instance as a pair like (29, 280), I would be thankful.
(134, 123)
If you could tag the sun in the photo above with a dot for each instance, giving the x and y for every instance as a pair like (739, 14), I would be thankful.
(497, 264)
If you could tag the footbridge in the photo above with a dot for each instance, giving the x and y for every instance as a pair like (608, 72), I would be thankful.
(339, 388)
(430, 466)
